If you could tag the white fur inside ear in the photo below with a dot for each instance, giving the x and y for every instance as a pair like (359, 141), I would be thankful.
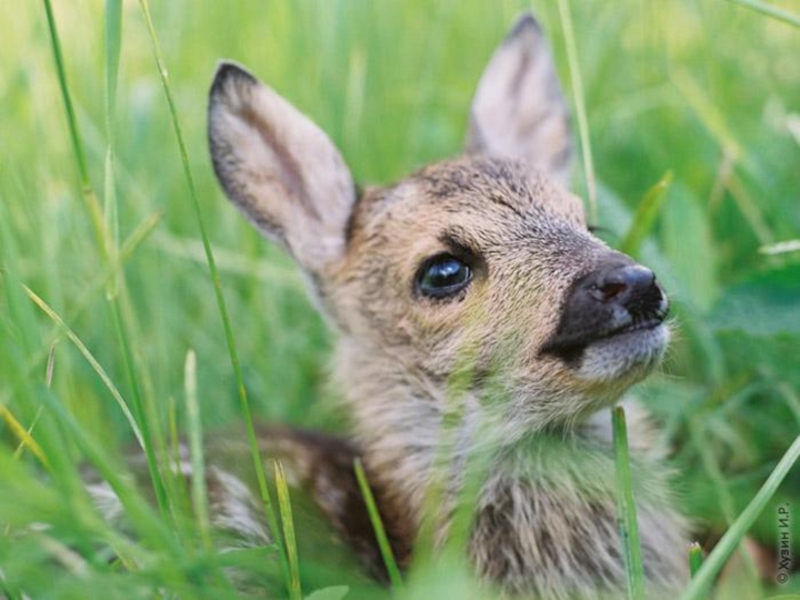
(518, 111)
(278, 167)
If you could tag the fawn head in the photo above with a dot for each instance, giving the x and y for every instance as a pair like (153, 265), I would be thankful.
(481, 263)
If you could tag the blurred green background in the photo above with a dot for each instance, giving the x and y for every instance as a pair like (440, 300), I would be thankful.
(708, 90)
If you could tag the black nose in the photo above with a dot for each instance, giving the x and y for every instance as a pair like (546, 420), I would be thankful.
(616, 298)
(632, 287)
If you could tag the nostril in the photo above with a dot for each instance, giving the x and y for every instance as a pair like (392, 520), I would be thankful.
(609, 291)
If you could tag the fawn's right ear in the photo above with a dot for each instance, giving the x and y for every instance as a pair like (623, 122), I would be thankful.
(518, 111)
(279, 168)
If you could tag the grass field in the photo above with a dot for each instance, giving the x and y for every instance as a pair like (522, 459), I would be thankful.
(104, 235)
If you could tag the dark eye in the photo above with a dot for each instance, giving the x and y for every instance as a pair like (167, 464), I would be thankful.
(442, 276)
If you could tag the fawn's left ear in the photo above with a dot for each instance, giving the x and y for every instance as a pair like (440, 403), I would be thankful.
(518, 110)
(279, 168)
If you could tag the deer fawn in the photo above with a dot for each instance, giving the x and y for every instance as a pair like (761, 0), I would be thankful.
(477, 274)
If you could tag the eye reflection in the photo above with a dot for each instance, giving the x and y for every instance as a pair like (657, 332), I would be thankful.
(442, 276)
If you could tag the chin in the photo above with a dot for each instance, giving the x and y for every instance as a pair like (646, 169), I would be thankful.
(623, 359)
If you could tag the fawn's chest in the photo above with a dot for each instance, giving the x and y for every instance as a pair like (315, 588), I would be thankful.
(563, 541)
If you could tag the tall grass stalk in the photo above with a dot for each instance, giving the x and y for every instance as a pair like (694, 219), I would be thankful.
(105, 243)
(195, 435)
(245, 406)
(287, 520)
(140, 408)
(77, 148)
(626, 508)
(580, 105)
(377, 525)
(113, 39)
(719, 556)
(771, 11)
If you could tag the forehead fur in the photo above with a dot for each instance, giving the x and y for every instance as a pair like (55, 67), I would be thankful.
(467, 185)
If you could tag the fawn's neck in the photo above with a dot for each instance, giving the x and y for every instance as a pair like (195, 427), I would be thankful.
(407, 437)
(408, 441)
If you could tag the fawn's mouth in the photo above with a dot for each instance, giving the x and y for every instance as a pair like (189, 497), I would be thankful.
(626, 338)
(626, 356)
(569, 347)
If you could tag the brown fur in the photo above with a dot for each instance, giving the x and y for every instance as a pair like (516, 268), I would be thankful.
(449, 390)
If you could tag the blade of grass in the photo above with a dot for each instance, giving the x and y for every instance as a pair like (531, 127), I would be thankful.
(230, 262)
(479, 460)
(580, 105)
(645, 215)
(21, 447)
(194, 426)
(626, 508)
(23, 435)
(232, 351)
(780, 247)
(771, 11)
(175, 475)
(695, 558)
(377, 525)
(199, 490)
(427, 550)
(441, 507)
(77, 147)
(113, 39)
(285, 505)
(140, 408)
(101, 373)
(51, 363)
(730, 540)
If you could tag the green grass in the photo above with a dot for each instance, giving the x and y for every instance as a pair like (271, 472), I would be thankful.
(380, 533)
(108, 226)
(626, 508)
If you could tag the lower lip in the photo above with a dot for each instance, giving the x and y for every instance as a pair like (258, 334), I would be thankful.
(631, 353)
(640, 327)
(641, 340)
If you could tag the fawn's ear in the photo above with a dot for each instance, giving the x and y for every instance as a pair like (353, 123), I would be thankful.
(518, 110)
(279, 168)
